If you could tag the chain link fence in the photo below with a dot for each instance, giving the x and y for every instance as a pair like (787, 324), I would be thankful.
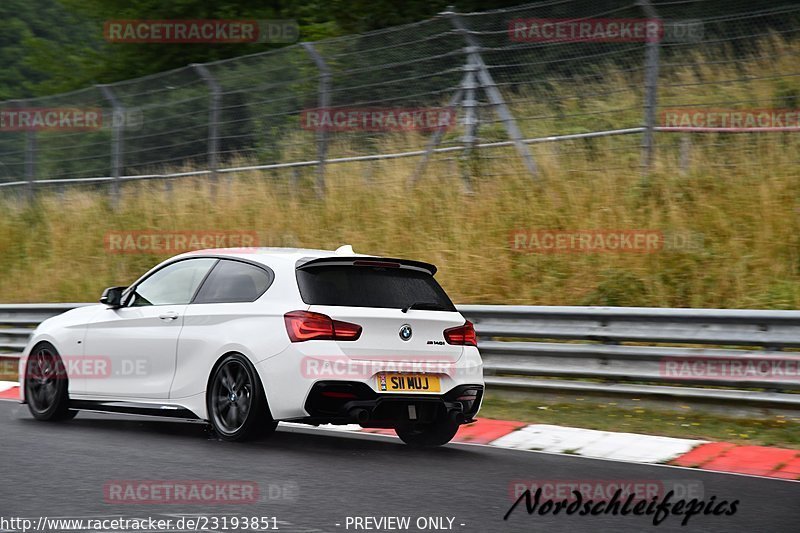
(562, 87)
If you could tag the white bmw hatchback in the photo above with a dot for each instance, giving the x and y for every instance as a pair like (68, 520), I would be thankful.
(244, 338)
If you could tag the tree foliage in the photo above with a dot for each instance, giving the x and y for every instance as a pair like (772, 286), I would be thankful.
(51, 46)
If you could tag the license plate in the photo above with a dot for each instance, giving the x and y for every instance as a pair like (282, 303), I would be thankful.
(388, 382)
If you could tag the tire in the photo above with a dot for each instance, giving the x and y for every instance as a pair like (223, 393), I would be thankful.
(437, 433)
(237, 406)
(47, 384)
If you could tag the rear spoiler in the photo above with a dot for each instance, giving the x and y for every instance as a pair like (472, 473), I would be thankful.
(365, 260)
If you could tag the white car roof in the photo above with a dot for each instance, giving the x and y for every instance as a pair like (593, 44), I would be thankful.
(288, 255)
(294, 257)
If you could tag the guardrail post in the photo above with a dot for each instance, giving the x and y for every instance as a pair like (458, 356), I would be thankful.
(652, 50)
(495, 97)
(213, 122)
(324, 102)
(117, 140)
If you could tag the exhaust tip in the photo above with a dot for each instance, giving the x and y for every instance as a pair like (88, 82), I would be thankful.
(359, 414)
(457, 417)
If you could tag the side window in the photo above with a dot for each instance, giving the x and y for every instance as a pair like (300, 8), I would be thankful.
(233, 281)
(172, 285)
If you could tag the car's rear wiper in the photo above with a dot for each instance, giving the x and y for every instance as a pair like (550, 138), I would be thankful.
(430, 306)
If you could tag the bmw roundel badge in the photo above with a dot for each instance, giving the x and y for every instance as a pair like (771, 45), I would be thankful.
(405, 332)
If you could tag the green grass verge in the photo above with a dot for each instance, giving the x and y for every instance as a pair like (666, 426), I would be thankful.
(8, 369)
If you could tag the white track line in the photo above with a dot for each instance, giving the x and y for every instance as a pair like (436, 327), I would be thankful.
(592, 443)
(5, 385)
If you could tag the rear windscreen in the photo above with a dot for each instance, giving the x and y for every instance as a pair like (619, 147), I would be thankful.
(367, 286)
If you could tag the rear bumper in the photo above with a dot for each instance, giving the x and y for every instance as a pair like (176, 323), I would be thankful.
(343, 402)
(291, 377)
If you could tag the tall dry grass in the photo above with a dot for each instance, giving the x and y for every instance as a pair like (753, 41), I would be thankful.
(740, 195)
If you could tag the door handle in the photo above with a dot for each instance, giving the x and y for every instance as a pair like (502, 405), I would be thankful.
(171, 315)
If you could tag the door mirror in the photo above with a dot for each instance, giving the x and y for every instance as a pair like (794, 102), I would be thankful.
(112, 296)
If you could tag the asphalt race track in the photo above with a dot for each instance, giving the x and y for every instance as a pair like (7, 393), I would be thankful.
(313, 480)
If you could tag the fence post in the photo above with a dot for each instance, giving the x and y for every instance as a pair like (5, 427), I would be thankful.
(685, 152)
(436, 138)
(495, 97)
(117, 140)
(652, 50)
(324, 102)
(30, 157)
(213, 122)
(469, 139)
(470, 104)
(30, 161)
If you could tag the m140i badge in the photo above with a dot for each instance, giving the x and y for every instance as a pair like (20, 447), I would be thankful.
(405, 332)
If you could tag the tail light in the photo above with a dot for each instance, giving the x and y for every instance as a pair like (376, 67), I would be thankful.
(462, 335)
(305, 326)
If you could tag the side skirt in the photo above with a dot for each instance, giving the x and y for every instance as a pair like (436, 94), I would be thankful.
(133, 408)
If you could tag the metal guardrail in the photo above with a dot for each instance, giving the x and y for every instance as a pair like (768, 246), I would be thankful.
(580, 350)
(17, 322)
